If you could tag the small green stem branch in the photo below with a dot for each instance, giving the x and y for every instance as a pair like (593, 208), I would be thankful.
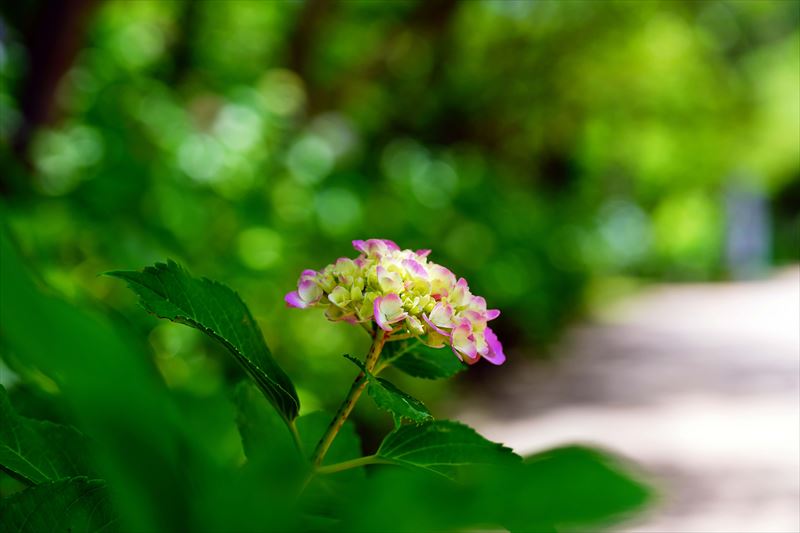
(296, 437)
(402, 337)
(389, 360)
(367, 328)
(347, 465)
(350, 400)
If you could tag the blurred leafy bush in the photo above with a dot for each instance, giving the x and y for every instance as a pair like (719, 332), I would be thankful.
(144, 458)
(538, 147)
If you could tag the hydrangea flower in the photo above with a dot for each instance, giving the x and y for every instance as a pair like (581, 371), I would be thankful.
(405, 295)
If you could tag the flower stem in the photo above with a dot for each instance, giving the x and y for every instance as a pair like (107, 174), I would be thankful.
(402, 337)
(350, 400)
(397, 355)
(296, 437)
(352, 463)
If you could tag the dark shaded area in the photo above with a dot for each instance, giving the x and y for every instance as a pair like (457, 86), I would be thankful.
(53, 39)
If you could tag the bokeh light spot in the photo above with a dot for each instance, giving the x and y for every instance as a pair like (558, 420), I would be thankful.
(238, 127)
(435, 184)
(472, 243)
(61, 157)
(339, 211)
(310, 159)
(625, 229)
(138, 44)
(291, 201)
(201, 157)
(283, 92)
(402, 159)
(260, 248)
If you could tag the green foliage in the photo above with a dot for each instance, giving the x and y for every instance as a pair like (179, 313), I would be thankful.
(159, 465)
(389, 398)
(263, 437)
(571, 487)
(442, 447)
(260, 426)
(533, 178)
(36, 451)
(402, 406)
(168, 291)
(564, 489)
(418, 360)
(522, 175)
(78, 505)
(140, 443)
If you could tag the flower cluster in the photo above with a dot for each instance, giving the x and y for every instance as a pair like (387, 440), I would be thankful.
(406, 295)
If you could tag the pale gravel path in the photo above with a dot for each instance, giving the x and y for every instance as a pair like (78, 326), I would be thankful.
(700, 384)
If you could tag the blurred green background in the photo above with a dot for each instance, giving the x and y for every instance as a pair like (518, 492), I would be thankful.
(553, 153)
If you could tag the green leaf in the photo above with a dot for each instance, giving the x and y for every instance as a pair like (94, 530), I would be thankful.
(389, 398)
(565, 489)
(418, 360)
(75, 505)
(261, 427)
(401, 405)
(168, 291)
(569, 488)
(264, 439)
(114, 394)
(271, 455)
(442, 446)
(35, 451)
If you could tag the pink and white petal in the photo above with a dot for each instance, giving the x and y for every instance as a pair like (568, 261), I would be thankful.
(396, 319)
(423, 253)
(475, 318)
(392, 301)
(392, 308)
(460, 292)
(442, 275)
(293, 300)
(414, 325)
(372, 247)
(463, 343)
(495, 354)
(380, 318)
(480, 343)
(491, 314)
(434, 327)
(415, 268)
(466, 357)
(389, 281)
(442, 315)
(309, 291)
(442, 280)
(375, 247)
(388, 310)
(360, 245)
(478, 303)
(308, 274)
